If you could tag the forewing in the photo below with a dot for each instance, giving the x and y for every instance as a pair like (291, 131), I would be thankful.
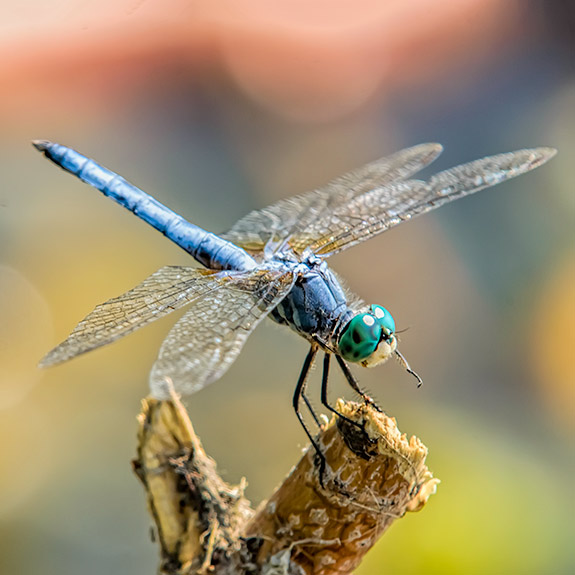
(166, 290)
(206, 341)
(385, 207)
(290, 217)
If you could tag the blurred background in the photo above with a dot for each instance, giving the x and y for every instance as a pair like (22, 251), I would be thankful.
(222, 107)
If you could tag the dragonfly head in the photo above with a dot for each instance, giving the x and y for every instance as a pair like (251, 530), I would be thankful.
(369, 338)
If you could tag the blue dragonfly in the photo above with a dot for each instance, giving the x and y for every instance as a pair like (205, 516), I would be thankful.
(272, 263)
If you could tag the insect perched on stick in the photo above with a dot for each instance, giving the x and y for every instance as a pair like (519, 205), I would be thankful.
(272, 263)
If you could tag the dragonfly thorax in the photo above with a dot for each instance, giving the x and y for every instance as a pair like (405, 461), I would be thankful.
(368, 338)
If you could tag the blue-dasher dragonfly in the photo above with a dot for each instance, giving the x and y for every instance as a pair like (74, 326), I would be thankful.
(272, 263)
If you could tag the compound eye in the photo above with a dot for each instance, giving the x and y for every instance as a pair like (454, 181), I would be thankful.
(360, 337)
(384, 318)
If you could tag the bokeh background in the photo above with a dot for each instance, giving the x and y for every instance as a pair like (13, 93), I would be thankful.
(220, 107)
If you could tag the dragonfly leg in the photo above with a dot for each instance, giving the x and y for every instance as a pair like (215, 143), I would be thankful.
(311, 409)
(353, 383)
(298, 393)
(324, 399)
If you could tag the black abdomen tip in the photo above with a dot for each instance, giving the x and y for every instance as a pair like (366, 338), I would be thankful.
(41, 145)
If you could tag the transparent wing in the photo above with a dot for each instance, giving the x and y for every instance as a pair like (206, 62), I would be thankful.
(382, 208)
(166, 290)
(207, 340)
(287, 218)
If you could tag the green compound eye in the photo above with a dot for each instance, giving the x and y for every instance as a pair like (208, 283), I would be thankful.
(384, 318)
(360, 337)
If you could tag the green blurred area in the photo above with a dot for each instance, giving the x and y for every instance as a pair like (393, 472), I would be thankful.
(486, 288)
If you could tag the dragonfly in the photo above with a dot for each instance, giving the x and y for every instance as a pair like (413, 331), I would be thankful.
(272, 263)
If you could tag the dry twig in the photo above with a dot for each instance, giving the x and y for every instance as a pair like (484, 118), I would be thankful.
(203, 525)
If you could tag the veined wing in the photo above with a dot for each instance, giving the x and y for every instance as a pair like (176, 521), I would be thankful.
(166, 290)
(207, 340)
(290, 217)
(385, 207)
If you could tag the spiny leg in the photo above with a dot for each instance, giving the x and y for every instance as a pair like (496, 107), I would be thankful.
(299, 390)
(324, 399)
(311, 409)
(353, 383)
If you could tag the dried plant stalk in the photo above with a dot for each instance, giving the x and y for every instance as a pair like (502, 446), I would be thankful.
(310, 525)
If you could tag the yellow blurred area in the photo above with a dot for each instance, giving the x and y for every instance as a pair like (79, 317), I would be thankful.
(554, 356)
(24, 335)
(487, 514)
(218, 108)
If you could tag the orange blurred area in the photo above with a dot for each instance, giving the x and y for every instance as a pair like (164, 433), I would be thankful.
(223, 107)
(332, 57)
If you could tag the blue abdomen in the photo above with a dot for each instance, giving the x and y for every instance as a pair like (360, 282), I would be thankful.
(207, 248)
